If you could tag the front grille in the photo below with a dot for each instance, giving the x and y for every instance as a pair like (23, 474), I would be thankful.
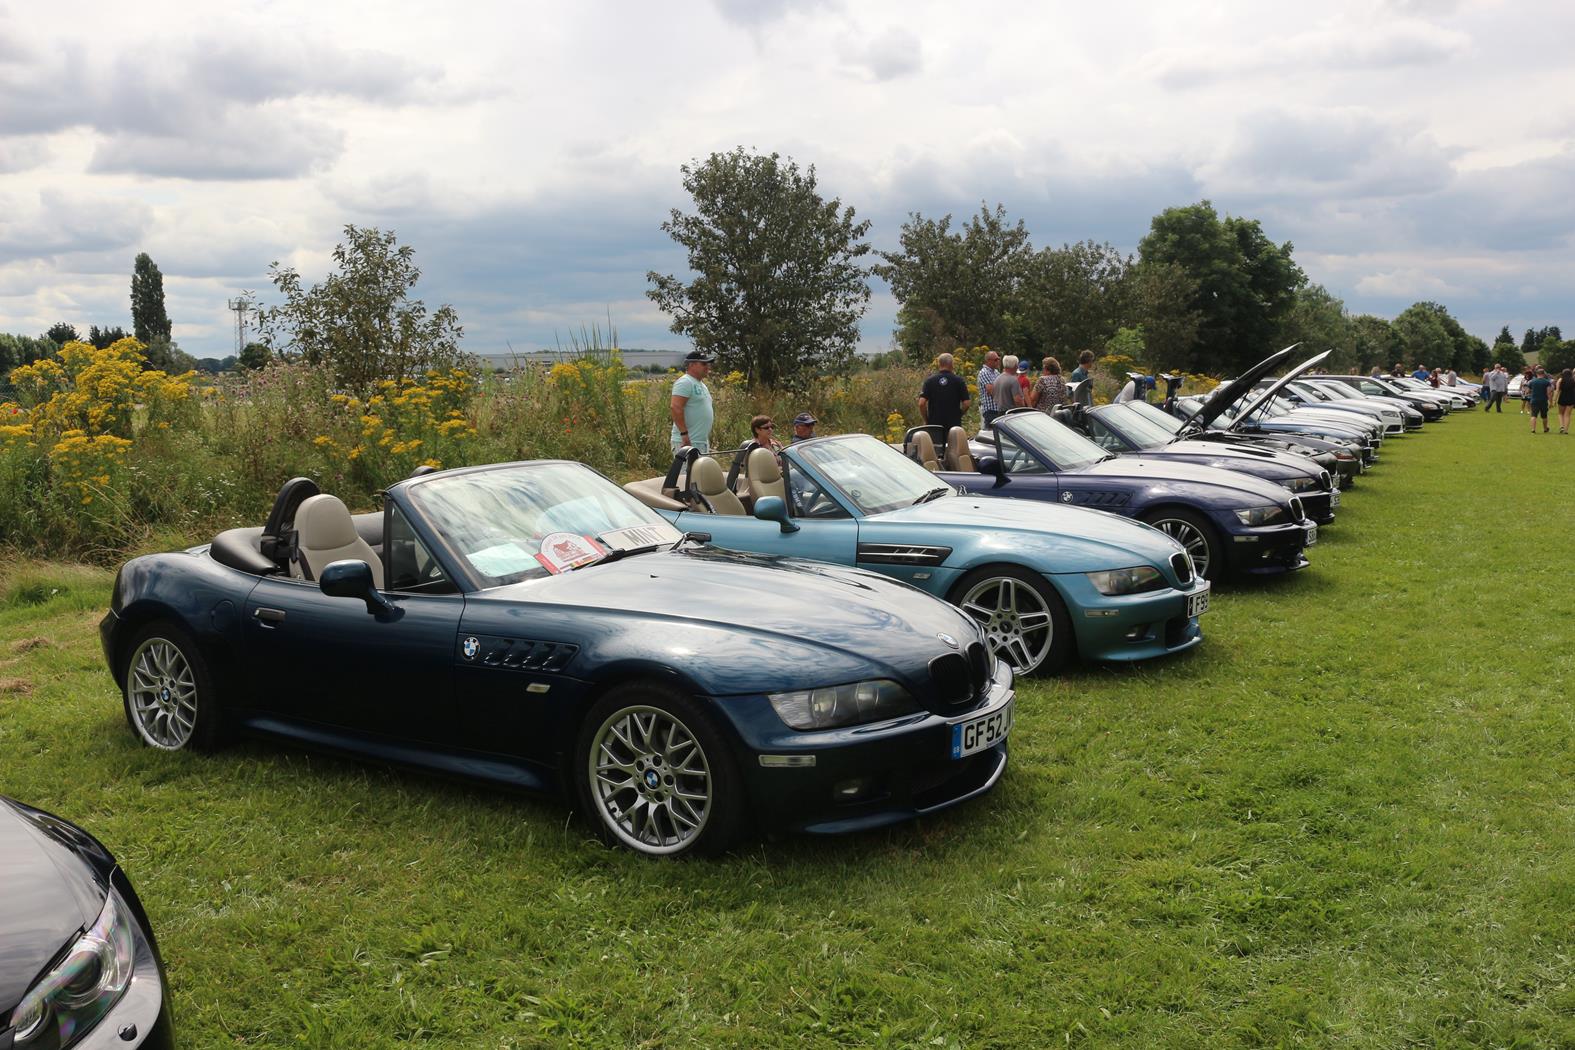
(1296, 509)
(1323, 480)
(979, 666)
(1183, 566)
(961, 678)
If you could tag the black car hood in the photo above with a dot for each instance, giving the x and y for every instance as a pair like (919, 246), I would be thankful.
(1227, 394)
(1279, 384)
(48, 894)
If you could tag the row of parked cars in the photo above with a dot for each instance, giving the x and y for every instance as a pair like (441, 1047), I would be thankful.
(824, 639)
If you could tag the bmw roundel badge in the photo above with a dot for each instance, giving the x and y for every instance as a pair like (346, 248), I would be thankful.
(471, 647)
(948, 639)
(1066, 497)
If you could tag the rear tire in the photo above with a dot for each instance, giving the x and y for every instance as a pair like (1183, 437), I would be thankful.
(169, 696)
(1194, 532)
(1016, 608)
(654, 775)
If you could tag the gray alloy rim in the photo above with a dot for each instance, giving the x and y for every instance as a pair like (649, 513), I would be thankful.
(1016, 620)
(650, 780)
(163, 694)
(1187, 534)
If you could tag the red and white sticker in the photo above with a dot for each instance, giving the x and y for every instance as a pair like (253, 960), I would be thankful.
(562, 551)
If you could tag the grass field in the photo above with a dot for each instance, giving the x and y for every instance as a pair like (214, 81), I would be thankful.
(1347, 819)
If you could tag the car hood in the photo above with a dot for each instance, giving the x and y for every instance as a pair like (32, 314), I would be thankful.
(769, 623)
(1261, 462)
(1079, 539)
(1268, 392)
(1227, 394)
(47, 896)
(1254, 491)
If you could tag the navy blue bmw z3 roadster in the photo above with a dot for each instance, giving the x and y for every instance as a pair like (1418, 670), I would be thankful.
(533, 624)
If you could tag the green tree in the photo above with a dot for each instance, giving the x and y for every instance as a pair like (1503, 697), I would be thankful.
(1507, 353)
(1556, 354)
(1374, 342)
(18, 350)
(254, 356)
(148, 317)
(360, 322)
(1070, 299)
(1423, 337)
(778, 289)
(60, 333)
(1244, 284)
(104, 337)
(958, 288)
(1317, 319)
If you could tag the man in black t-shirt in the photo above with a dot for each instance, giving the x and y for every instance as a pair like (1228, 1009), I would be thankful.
(944, 397)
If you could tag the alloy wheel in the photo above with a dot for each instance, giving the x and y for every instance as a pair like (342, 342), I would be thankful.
(650, 780)
(1016, 620)
(162, 690)
(1187, 534)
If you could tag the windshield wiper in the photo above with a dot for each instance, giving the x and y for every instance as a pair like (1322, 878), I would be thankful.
(697, 537)
(932, 494)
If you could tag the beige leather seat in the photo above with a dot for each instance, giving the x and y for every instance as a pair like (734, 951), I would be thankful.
(924, 451)
(326, 533)
(711, 483)
(957, 455)
(765, 476)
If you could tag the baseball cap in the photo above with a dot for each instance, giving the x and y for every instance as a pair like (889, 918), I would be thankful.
(1022, 366)
(804, 419)
(698, 355)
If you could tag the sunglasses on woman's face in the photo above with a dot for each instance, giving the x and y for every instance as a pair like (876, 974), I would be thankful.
(766, 426)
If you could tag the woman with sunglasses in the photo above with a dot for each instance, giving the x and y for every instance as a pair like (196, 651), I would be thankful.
(765, 435)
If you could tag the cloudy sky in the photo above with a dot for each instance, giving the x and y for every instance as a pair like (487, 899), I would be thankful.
(1411, 149)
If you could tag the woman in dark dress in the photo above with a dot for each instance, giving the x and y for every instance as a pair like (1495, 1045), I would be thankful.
(1564, 394)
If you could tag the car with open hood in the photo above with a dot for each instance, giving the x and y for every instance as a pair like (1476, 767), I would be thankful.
(1042, 583)
(1236, 405)
(1127, 430)
(534, 625)
(1230, 523)
(1343, 459)
(79, 966)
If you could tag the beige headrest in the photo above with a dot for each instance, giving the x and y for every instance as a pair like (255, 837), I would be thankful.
(957, 442)
(323, 523)
(707, 476)
(763, 469)
(924, 447)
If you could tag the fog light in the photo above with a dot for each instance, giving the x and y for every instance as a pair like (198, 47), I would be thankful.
(851, 790)
(1137, 633)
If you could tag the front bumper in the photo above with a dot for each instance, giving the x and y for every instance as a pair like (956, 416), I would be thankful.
(1126, 628)
(1320, 506)
(1267, 550)
(903, 767)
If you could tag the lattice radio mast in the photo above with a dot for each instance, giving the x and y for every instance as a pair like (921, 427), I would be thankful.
(239, 306)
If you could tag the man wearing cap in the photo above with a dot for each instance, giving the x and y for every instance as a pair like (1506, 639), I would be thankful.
(691, 405)
(803, 427)
(944, 397)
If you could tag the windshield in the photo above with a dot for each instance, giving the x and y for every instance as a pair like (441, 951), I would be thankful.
(875, 476)
(496, 520)
(1063, 447)
(1156, 416)
(1135, 425)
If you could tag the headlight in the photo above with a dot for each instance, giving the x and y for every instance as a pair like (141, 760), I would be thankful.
(843, 705)
(70, 999)
(1301, 484)
(1261, 515)
(1135, 580)
(1341, 453)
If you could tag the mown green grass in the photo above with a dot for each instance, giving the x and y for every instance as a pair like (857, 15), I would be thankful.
(1346, 820)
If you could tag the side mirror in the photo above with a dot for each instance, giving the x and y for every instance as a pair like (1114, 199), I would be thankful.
(771, 508)
(990, 466)
(353, 579)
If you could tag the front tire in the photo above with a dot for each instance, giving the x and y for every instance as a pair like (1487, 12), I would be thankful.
(1023, 618)
(655, 776)
(169, 697)
(1196, 534)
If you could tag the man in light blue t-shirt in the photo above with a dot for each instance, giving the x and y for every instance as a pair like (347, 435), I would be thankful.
(691, 407)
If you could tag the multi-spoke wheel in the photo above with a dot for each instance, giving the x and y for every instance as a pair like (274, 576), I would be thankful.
(168, 694)
(1023, 618)
(656, 774)
(1192, 531)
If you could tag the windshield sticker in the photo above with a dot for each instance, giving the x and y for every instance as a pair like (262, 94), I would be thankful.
(506, 559)
(637, 536)
(562, 551)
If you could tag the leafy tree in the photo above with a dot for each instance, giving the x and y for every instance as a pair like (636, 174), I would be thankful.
(1556, 354)
(1160, 301)
(778, 290)
(165, 355)
(360, 322)
(148, 317)
(60, 333)
(1374, 343)
(1244, 284)
(215, 365)
(18, 350)
(103, 338)
(1070, 299)
(1424, 338)
(1318, 320)
(1506, 352)
(254, 356)
(958, 288)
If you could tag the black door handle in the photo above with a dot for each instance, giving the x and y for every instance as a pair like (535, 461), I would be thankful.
(268, 617)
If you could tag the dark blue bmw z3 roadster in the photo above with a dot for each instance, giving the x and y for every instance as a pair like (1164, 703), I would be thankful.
(533, 624)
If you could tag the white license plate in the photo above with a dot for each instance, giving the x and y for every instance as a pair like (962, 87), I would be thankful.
(1334, 499)
(1198, 604)
(978, 734)
(1312, 535)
